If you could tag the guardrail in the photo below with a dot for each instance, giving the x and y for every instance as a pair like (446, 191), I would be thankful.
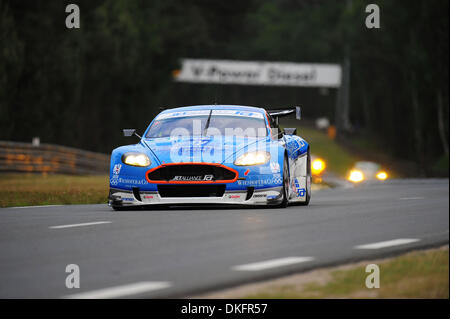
(48, 158)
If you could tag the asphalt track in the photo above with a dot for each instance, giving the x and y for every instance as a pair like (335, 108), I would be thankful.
(183, 251)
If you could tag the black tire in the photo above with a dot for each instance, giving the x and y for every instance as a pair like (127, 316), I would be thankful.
(308, 180)
(286, 184)
(123, 208)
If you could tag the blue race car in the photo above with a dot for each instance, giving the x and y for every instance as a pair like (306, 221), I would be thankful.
(212, 154)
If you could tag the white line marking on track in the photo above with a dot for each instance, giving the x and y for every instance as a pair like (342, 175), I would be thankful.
(79, 225)
(411, 198)
(43, 206)
(122, 291)
(388, 243)
(272, 263)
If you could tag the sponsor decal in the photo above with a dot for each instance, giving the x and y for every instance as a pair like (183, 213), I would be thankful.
(292, 147)
(116, 180)
(127, 199)
(260, 196)
(148, 196)
(116, 169)
(277, 180)
(206, 112)
(234, 196)
(195, 148)
(275, 167)
(301, 192)
(193, 178)
(238, 113)
(133, 181)
(164, 116)
(265, 170)
(260, 72)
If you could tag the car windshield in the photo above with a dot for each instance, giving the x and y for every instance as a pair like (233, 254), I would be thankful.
(233, 124)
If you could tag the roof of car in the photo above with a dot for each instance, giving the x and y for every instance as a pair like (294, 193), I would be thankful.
(217, 107)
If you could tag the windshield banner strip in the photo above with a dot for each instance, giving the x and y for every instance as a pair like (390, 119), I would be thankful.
(206, 112)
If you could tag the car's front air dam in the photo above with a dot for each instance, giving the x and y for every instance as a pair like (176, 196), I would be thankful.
(251, 196)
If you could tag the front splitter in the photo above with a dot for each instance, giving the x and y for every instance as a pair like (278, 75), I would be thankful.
(124, 198)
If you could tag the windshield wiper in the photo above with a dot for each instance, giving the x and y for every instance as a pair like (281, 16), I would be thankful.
(207, 123)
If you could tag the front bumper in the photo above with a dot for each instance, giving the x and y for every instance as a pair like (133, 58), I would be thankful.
(251, 196)
(258, 185)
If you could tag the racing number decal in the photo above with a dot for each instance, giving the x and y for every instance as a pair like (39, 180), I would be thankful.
(301, 192)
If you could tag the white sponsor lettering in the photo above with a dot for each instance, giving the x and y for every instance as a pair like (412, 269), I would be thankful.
(260, 73)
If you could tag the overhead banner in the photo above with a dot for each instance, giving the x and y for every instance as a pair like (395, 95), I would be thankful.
(260, 73)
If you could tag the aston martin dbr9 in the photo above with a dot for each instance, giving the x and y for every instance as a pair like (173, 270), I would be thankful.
(212, 154)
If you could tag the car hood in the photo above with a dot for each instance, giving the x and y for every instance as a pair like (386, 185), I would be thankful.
(208, 149)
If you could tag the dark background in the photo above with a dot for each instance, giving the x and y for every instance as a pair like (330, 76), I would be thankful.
(79, 87)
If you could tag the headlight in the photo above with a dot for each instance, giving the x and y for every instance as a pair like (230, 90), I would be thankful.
(356, 176)
(136, 159)
(382, 175)
(318, 166)
(252, 158)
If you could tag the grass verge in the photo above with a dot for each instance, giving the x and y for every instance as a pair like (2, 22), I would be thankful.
(32, 189)
(419, 274)
(338, 159)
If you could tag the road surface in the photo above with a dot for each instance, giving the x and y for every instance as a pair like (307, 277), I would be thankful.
(184, 251)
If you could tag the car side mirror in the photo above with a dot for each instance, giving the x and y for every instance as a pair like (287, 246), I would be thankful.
(290, 131)
(127, 132)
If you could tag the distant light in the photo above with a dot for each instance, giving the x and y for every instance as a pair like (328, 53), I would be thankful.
(382, 175)
(322, 123)
(318, 166)
(176, 73)
(356, 176)
(36, 141)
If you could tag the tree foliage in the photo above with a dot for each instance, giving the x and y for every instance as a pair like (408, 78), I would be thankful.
(78, 87)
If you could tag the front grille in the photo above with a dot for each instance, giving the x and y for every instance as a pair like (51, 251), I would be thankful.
(191, 173)
(211, 190)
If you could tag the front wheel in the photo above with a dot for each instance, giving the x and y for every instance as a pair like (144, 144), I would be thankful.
(286, 184)
(118, 208)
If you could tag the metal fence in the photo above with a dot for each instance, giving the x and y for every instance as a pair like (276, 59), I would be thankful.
(48, 158)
